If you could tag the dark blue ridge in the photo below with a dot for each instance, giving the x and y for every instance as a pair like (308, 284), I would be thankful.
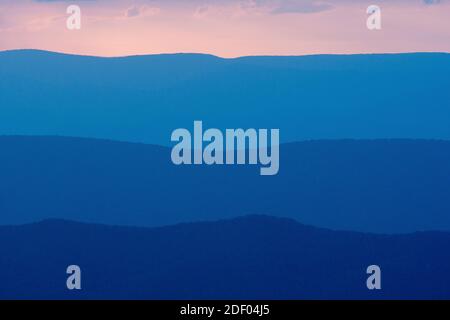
(252, 257)
(383, 186)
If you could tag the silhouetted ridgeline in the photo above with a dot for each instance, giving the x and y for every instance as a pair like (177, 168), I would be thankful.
(254, 257)
(144, 98)
(377, 186)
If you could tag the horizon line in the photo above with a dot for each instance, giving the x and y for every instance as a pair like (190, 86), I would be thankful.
(217, 56)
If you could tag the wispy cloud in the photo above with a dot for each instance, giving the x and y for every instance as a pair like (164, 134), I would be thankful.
(143, 10)
(302, 6)
(432, 1)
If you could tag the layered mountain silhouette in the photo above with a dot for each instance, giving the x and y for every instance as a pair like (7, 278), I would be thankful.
(383, 186)
(254, 257)
(374, 160)
(144, 98)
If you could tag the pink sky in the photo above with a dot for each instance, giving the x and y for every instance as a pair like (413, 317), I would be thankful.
(226, 28)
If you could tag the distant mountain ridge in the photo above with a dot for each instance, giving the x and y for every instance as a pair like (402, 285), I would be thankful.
(144, 98)
(384, 186)
(253, 257)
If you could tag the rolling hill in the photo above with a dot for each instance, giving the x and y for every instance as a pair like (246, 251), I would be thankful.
(384, 186)
(254, 257)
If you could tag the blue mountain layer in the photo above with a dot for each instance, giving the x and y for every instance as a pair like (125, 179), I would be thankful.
(254, 257)
(144, 98)
(383, 186)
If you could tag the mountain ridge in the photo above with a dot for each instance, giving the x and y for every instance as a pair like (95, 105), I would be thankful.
(42, 51)
(253, 257)
(245, 219)
(145, 98)
(381, 186)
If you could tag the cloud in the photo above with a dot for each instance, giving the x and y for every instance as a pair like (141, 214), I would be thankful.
(284, 6)
(245, 8)
(201, 11)
(133, 11)
(237, 8)
(144, 10)
(301, 6)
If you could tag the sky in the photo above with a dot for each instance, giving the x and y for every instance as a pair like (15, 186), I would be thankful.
(226, 28)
